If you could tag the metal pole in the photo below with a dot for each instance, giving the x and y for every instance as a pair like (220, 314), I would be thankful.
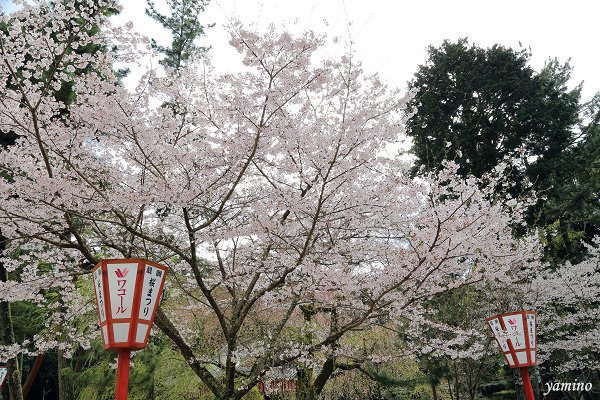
(527, 384)
(122, 374)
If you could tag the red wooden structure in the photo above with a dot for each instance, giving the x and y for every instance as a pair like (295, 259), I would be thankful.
(279, 381)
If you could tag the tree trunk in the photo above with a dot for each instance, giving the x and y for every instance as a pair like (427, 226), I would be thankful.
(65, 378)
(450, 388)
(305, 389)
(8, 337)
(471, 388)
(434, 392)
(456, 382)
(520, 389)
(62, 393)
(536, 380)
(80, 360)
(326, 372)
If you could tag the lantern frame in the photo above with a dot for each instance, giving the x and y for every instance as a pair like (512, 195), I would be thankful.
(107, 324)
(3, 380)
(509, 343)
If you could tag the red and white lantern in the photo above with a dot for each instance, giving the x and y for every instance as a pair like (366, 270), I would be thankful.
(127, 294)
(515, 333)
(3, 373)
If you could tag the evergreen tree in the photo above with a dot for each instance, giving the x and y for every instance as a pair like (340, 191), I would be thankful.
(571, 213)
(184, 26)
(479, 106)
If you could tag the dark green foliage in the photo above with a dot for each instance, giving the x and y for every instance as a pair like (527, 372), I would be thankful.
(46, 384)
(485, 104)
(7, 139)
(478, 106)
(572, 211)
(185, 29)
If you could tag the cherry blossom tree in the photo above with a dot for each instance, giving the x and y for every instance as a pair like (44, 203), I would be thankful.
(277, 193)
(50, 300)
(567, 303)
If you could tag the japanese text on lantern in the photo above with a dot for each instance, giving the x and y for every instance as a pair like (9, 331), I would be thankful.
(122, 290)
(153, 278)
(99, 289)
(514, 326)
(499, 333)
(531, 329)
(121, 285)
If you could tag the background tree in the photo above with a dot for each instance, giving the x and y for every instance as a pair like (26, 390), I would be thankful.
(479, 106)
(185, 28)
(571, 213)
(456, 350)
(29, 320)
(569, 311)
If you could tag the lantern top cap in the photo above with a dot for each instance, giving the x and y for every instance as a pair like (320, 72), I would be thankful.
(128, 261)
(521, 312)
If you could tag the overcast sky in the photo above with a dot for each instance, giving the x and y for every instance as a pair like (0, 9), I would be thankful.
(391, 37)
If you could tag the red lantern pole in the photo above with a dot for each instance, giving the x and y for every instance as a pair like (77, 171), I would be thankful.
(123, 374)
(527, 383)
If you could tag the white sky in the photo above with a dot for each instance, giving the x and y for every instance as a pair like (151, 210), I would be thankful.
(391, 37)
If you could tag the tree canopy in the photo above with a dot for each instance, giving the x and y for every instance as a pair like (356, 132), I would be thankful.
(477, 106)
(481, 106)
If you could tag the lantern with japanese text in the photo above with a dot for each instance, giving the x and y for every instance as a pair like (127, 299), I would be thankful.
(127, 294)
(3, 373)
(515, 333)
